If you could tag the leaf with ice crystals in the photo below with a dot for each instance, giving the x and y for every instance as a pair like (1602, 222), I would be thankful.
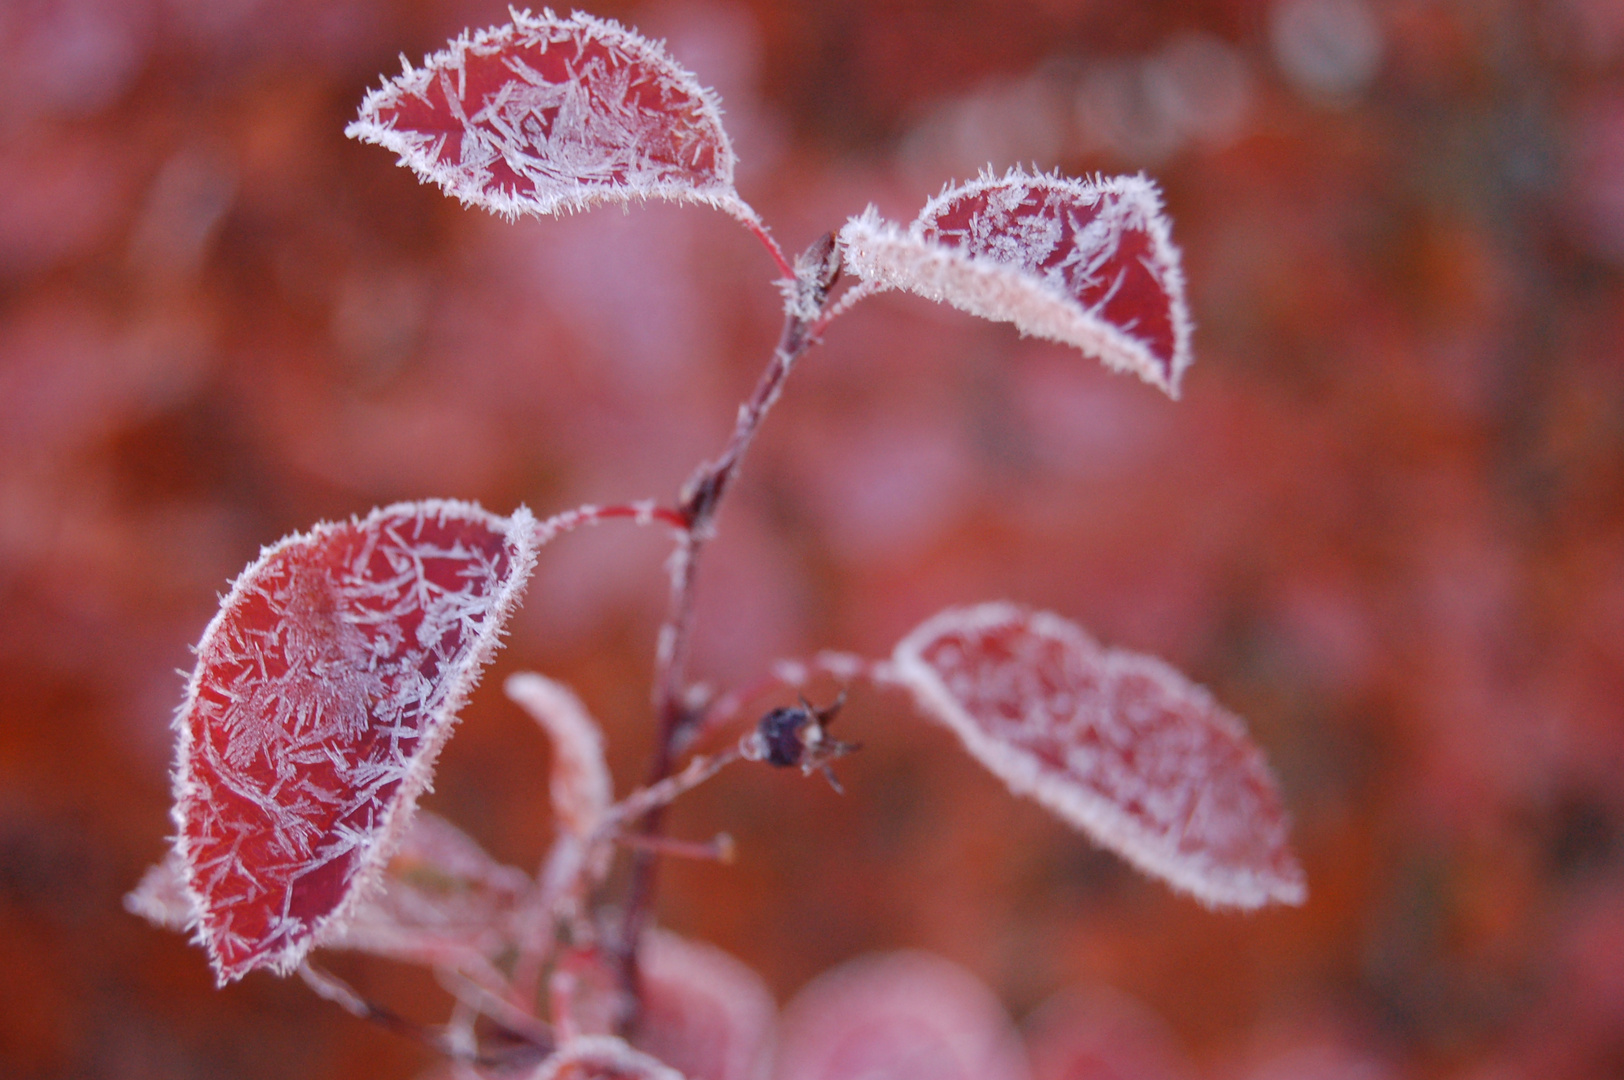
(903, 1016)
(704, 1013)
(324, 689)
(1089, 263)
(1116, 743)
(547, 115)
(581, 787)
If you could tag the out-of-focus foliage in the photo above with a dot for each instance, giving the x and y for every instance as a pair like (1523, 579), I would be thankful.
(1384, 523)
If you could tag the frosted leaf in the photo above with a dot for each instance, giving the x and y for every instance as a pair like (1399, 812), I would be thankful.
(1116, 743)
(602, 1057)
(547, 115)
(324, 689)
(905, 1016)
(581, 787)
(704, 1012)
(1089, 263)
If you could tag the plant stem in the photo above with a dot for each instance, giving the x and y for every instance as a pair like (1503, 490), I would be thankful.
(675, 715)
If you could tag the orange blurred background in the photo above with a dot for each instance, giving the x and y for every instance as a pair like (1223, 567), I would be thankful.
(1385, 524)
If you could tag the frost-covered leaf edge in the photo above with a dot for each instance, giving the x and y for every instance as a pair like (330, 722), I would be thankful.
(721, 196)
(1099, 818)
(886, 256)
(161, 897)
(521, 530)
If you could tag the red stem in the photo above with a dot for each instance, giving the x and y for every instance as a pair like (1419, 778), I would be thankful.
(644, 513)
(701, 497)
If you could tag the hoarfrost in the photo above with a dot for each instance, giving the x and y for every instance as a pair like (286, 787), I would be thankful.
(1089, 263)
(547, 115)
(324, 689)
(161, 897)
(1116, 743)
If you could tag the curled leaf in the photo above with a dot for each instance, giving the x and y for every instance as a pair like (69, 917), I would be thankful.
(547, 115)
(1089, 263)
(581, 786)
(1116, 743)
(324, 689)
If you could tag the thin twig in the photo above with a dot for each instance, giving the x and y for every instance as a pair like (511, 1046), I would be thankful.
(512, 1020)
(814, 273)
(645, 512)
(719, 848)
(848, 300)
(745, 214)
(647, 800)
(332, 988)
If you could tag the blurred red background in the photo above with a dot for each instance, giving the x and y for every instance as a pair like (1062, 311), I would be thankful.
(1385, 524)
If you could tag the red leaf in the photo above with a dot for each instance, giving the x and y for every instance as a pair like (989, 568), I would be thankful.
(324, 688)
(704, 1013)
(1089, 263)
(1100, 1034)
(1117, 743)
(906, 1016)
(547, 115)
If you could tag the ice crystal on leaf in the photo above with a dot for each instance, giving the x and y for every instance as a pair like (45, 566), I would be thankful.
(1089, 263)
(1117, 743)
(324, 689)
(546, 115)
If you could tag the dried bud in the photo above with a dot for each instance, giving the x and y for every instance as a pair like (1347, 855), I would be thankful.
(796, 735)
